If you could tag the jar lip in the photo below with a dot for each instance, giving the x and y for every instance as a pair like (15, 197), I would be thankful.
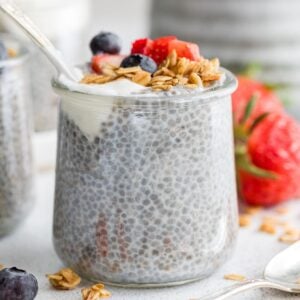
(11, 42)
(227, 87)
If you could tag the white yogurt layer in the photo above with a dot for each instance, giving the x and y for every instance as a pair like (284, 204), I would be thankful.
(90, 116)
(122, 87)
(89, 113)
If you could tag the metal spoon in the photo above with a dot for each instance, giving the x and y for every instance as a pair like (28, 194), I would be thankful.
(14, 12)
(281, 273)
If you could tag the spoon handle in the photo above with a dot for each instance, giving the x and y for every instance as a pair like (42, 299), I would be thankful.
(238, 288)
(13, 11)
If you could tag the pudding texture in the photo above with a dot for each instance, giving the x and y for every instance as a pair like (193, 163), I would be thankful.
(16, 168)
(145, 193)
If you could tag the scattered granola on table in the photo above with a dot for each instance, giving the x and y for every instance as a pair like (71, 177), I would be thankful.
(253, 210)
(290, 236)
(11, 52)
(65, 279)
(235, 277)
(282, 210)
(268, 227)
(244, 220)
(95, 292)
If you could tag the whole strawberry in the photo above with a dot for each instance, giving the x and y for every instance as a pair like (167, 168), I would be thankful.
(273, 147)
(266, 100)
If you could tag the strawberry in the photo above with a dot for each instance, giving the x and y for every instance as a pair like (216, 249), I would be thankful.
(185, 49)
(160, 48)
(99, 60)
(142, 46)
(274, 145)
(273, 150)
(267, 100)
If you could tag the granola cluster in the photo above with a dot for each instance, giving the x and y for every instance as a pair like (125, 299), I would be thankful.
(65, 279)
(171, 72)
(95, 292)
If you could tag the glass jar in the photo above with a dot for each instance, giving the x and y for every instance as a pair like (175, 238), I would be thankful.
(145, 187)
(16, 169)
(64, 23)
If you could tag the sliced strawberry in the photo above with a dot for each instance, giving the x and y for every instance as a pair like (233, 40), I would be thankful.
(99, 60)
(185, 49)
(160, 48)
(142, 46)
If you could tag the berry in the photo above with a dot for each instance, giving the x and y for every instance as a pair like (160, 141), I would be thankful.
(185, 49)
(160, 48)
(145, 62)
(106, 42)
(273, 146)
(3, 51)
(142, 46)
(99, 61)
(267, 100)
(17, 284)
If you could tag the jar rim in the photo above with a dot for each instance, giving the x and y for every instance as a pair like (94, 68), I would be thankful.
(11, 42)
(227, 87)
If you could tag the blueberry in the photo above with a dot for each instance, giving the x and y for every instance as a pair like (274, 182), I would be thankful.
(17, 284)
(3, 51)
(106, 42)
(145, 62)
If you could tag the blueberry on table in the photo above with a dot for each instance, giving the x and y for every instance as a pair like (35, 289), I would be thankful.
(146, 63)
(3, 51)
(17, 284)
(106, 42)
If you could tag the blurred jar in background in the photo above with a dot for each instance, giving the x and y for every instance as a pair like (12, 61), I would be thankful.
(16, 168)
(264, 32)
(65, 23)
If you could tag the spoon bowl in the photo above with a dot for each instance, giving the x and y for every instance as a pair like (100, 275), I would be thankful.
(281, 273)
(284, 268)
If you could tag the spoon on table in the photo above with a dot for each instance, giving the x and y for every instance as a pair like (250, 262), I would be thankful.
(54, 55)
(281, 273)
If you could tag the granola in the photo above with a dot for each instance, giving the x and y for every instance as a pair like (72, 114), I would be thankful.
(11, 52)
(282, 210)
(95, 292)
(290, 236)
(268, 227)
(171, 72)
(244, 220)
(253, 210)
(235, 277)
(65, 279)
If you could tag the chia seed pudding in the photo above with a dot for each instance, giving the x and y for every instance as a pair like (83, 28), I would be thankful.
(145, 184)
(16, 168)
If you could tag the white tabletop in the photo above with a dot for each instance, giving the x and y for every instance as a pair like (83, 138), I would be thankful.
(30, 248)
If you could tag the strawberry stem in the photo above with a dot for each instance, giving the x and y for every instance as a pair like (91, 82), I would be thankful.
(257, 121)
(244, 163)
(249, 108)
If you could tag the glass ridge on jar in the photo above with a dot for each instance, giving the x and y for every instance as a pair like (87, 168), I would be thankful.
(16, 168)
(145, 187)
